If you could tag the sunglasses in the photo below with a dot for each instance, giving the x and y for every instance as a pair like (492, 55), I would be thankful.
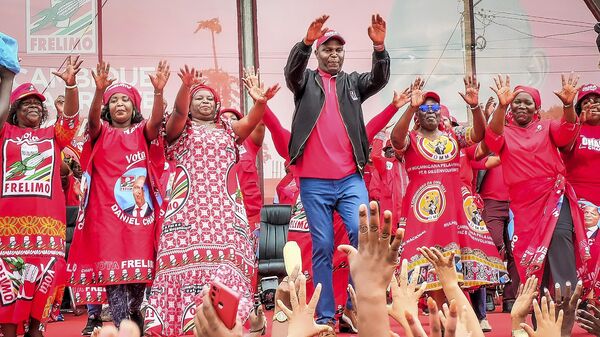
(429, 107)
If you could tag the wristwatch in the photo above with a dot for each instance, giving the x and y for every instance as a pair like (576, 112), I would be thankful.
(280, 317)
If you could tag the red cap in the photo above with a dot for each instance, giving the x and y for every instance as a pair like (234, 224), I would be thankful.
(431, 94)
(586, 90)
(24, 90)
(330, 34)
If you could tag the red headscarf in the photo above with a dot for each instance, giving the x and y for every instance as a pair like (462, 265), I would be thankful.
(199, 87)
(537, 100)
(125, 89)
(533, 92)
(230, 110)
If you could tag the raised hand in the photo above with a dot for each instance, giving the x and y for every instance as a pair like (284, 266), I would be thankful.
(489, 108)
(377, 30)
(567, 304)
(101, 76)
(159, 80)
(454, 324)
(589, 321)
(400, 99)
(207, 323)
(471, 95)
(301, 316)
(525, 295)
(190, 77)
(373, 264)
(256, 89)
(316, 30)
(444, 265)
(405, 294)
(72, 67)
(258, 321)
(283, 290)
(417, 97)
(548, 324)
(569, 89)
(505, 94)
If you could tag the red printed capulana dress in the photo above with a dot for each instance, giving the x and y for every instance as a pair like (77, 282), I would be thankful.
(205, 235)
(438, 211)
(32, 220)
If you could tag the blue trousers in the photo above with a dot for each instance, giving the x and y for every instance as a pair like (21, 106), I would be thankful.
(320, 197)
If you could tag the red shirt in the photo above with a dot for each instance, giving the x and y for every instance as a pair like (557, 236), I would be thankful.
(536, 155)
(493, 186)
(582, 163)
(328, 152)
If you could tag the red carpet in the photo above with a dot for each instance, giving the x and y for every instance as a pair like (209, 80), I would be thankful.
(72, 326)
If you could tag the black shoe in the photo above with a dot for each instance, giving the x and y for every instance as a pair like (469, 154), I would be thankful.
(507, 305)
(92, 323)
(138, 319)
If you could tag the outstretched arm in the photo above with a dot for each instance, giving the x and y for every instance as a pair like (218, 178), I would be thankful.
(6, 84)
(159, 80)
(471, 97)
(69, 76)
(378, 122)
(101, 77)
(399, 135)
(281, 137)
(300, 53)
(177, 121)
(564, 132)
(373, 81)
(244, 127)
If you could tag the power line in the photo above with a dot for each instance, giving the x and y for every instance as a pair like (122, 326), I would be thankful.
(442, 54)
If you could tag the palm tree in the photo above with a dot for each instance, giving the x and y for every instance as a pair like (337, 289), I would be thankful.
(215, 27)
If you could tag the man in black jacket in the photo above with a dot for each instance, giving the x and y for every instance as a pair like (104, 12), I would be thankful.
(329, 143)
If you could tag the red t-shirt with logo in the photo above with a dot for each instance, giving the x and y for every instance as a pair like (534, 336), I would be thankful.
(583, 162)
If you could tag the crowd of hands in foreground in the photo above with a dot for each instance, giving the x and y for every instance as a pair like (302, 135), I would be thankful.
(372, 267)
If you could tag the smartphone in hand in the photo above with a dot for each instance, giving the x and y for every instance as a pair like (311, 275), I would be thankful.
(225, 302)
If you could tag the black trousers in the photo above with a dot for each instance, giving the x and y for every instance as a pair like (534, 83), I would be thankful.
(125, 300)
(560, 261)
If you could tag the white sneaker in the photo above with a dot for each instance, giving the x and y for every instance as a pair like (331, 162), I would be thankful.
(485, 325)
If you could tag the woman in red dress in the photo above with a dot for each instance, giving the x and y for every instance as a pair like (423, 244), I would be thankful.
(32, 203)
(549, 234)
(433, 212)
(113, 243)
(205, 235)
(582, 160)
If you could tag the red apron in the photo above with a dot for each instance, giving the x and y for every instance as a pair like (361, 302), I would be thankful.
(32, 220)
(438, 211)
(120, 208)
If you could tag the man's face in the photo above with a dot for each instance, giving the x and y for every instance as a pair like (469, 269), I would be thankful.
(138, 191)
(330, 56)
(591, 216)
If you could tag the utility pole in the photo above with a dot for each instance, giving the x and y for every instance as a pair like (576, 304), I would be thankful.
(248, 57)
(469, 43)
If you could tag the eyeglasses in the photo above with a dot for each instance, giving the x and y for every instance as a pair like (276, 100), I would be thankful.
(429, 107)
